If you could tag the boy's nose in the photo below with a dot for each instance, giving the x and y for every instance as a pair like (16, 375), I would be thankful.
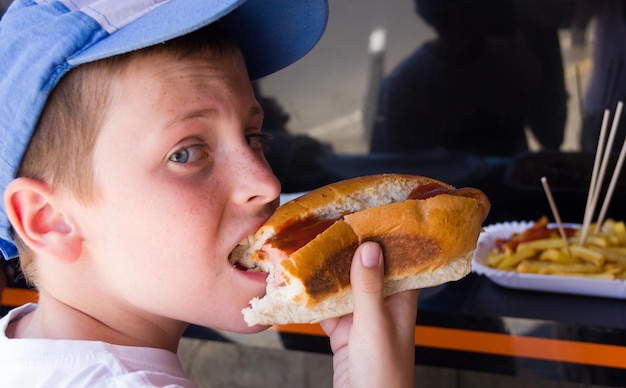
(255, 181)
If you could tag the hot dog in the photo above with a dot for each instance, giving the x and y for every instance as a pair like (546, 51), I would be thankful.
(427, 230)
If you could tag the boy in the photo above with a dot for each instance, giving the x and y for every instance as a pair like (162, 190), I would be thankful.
(144, 170)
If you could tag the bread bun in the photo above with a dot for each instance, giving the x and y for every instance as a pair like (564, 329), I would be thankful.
(307, 246)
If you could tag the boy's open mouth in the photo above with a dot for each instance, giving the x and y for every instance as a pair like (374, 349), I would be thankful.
(239, 257)
(240, 267)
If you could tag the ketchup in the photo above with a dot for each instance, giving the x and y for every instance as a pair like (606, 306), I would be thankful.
(428, 190)
(298, 234)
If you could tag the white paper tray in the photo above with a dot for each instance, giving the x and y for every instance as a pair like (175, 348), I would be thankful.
(548, 283)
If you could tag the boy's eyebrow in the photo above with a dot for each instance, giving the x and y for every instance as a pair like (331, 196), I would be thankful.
(207, 112)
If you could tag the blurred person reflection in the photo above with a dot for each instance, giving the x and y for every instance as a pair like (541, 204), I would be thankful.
(4, 4)
(294, 158)
(607, 83)
(471, 89)
(538, 23)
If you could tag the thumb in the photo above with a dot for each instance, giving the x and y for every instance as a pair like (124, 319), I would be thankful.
(366, 277)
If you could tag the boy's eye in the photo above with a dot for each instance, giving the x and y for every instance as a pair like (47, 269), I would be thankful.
(188, 154)
(259, 141)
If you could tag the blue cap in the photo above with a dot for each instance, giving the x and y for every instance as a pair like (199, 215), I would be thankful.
(40, 40)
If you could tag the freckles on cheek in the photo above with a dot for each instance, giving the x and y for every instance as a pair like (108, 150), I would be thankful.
(193, 209)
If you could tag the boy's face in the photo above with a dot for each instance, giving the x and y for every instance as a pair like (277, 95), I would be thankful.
(181, 179)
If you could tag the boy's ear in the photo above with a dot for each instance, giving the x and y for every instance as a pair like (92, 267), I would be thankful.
(40, 221)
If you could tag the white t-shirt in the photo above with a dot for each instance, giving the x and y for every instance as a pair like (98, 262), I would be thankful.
(71, 363)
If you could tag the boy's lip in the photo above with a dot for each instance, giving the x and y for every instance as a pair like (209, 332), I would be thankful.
(255, 276)
(252, 275)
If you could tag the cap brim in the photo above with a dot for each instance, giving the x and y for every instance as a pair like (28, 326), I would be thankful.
(272, 34)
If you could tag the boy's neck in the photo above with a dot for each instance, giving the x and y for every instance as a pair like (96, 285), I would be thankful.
(53, 319)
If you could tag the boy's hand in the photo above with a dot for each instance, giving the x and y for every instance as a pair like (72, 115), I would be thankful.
(374, 346)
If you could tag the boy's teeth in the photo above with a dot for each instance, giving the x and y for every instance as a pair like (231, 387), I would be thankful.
(247, 240)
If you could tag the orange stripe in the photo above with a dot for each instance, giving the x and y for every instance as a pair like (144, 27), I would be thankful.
(455, 339)
(503, 344)
(18, 296)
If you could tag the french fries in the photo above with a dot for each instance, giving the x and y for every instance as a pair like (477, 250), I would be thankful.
(541, 250)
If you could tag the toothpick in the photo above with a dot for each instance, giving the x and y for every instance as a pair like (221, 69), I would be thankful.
(555, 212)
(605, 160)
(594, 176)
(612, 184)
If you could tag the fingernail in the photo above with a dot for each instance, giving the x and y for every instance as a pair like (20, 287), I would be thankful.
(370, 256)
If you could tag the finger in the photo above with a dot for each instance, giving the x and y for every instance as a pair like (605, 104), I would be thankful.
(366, 276)
(403, 306)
